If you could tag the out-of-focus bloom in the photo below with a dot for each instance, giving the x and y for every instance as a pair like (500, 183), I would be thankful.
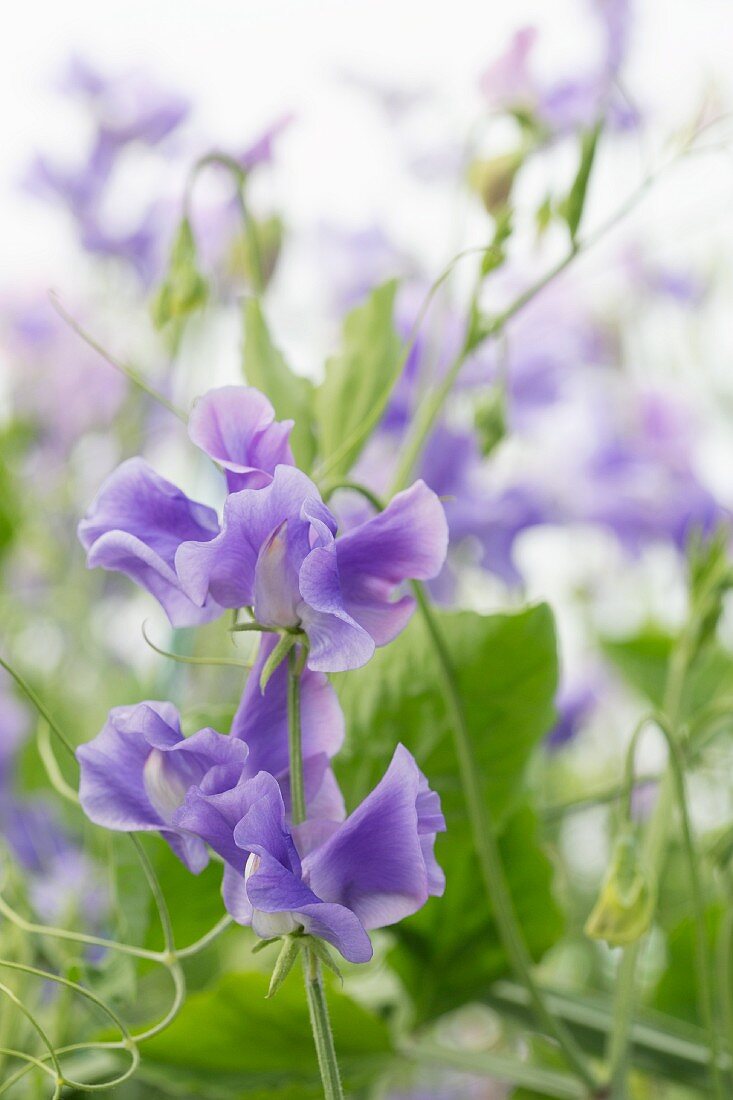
(575, 702)
(136, 772)
(639, 479)
(278, 553)
(262, 149)
(59, 384)
(335, 881)
(61, 878)
(128, 107)
(564, 106)
(236, 426)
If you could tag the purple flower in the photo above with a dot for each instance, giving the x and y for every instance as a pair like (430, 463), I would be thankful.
(236, 426)
(129, 107)
(135, 525)
(575, 703)
(333, 881)
(60, 385)
(136, 772)
(261, 720)
(277, 552)
(139, 520)
(261, 150)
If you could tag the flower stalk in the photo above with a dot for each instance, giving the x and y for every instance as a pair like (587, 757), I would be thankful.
(321, 1025)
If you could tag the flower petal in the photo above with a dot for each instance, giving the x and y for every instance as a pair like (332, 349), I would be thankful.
(135, 525)
(236, 426)
(375, 862)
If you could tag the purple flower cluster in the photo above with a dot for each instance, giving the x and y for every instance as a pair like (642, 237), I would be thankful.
(276, 553)
(131, 110)
(275, 550)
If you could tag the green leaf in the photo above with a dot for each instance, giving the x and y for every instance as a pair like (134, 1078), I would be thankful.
(265, 1048)
(676, 993)
(450, 952)
(291, 394)
(506, 667)
(643, 661)
(573, 207)
(358, 381)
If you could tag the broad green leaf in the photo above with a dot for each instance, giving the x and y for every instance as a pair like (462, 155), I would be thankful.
(676, 993)
(358, 381)
(291, 394)
(262, 1048)
(506, 667)
(643, 661)
(450, 952)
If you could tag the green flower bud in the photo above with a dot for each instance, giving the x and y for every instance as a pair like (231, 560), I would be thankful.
(493, 180)
(625, 905)
(184, 289)
(490, 420)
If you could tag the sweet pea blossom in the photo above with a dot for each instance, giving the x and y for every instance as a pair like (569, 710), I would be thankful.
(335, 881)
(277, 552)
(139, 519)
(136, 773)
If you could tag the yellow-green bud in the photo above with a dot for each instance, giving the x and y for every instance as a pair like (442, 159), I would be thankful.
(625, 905)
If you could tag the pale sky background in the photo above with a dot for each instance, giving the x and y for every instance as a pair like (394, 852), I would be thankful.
(245, 61)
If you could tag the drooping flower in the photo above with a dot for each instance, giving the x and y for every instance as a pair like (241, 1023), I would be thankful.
(334, 881)
(278, 553)
(139, 520)
(136, 772)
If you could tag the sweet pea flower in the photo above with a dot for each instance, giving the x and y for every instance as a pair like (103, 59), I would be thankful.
(334, 881)
(139, 520)
(136, 772)
(139, 769)
(277, 552)
(261, 720)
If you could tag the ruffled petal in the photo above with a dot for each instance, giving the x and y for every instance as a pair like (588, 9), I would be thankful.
(224, 568)
(135, 526)
(374, 863)
(236, 426)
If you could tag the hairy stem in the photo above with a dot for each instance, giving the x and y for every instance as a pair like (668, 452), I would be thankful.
(489, 855)
(321, 1025)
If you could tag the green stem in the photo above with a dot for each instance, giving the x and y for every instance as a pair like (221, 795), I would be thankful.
(321, 1025)
(489, 855)
(238, 174)
(297, 787)
(671, 788)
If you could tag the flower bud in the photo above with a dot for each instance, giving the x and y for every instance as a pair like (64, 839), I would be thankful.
(625, 905)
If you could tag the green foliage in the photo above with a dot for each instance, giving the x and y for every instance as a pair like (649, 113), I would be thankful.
(291, 395)
(574, 205)
(184, 289)
(643, 660)
(230, 1036)
(506, 667)
(450, 952)
(358, 381)
(676, 992)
